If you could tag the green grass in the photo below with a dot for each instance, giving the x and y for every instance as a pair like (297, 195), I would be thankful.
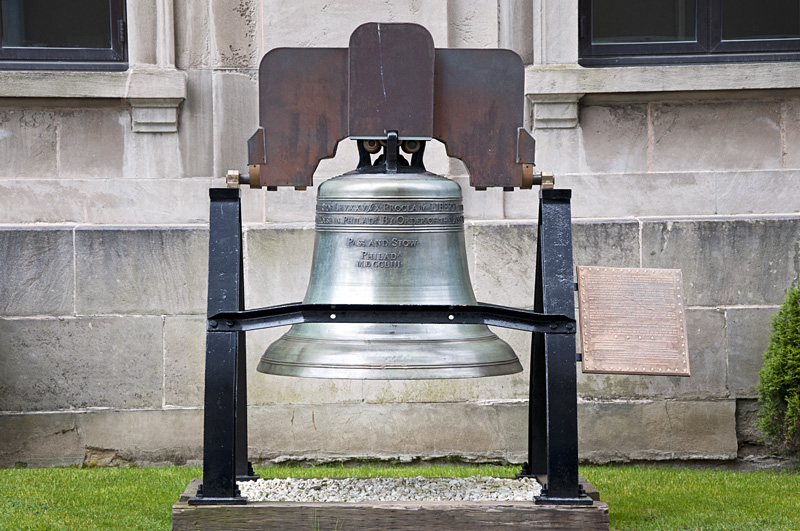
(654, 498)
(639, 498)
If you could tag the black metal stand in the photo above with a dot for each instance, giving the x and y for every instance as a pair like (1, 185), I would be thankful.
(552, 430)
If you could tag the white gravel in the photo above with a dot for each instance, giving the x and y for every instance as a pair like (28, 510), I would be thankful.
(390, 489)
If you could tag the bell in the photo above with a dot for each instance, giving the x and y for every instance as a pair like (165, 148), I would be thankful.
(389, 239)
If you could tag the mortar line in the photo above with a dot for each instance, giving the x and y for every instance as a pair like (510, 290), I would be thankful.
(650, 137)
(163, 361)
(782, 126)
(74, 272)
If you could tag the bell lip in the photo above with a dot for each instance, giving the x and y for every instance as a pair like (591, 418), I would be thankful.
(421, 372)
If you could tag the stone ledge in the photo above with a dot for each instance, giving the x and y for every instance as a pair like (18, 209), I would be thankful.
(572, 78)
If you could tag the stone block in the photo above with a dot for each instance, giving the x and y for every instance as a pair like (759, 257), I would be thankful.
(707, 363)
(716, 136)
(196, 133)
(28, 141)
(504, 255)
(763, 192)
(612, 244)
(154, 437)
(471, 431)
(287, 205)
(791, 141)
(625, 196)
(152, 271)
(127, 201)
(481, 204)
(748, 333)
(614, 138)
(92, 143)
(143, 17)
(278, 264)
(236, 35)
(330, 25)
(657, 430)
(726, 262)
(192, 35)
(472, 24)
(50, 364)
(155, 202)
(184, 360)
(151, 156)
(40, 440)
(263, 389)
(37, 274)
(751, 440)
(235, 106)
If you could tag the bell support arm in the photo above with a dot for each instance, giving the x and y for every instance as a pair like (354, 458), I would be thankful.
(488, 314)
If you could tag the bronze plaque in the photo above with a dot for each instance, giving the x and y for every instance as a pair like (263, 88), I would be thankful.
(632, 321)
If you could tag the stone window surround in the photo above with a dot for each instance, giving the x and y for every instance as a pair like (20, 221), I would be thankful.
(152, 87)
(555, 83)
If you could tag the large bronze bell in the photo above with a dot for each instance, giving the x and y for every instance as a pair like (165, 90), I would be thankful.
(389, 239)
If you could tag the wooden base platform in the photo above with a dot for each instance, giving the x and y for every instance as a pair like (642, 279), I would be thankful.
(428, 516)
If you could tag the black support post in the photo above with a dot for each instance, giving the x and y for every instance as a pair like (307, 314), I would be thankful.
(225, 412)
(553, 407)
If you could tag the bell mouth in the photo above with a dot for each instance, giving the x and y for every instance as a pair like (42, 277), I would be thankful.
(472, 351)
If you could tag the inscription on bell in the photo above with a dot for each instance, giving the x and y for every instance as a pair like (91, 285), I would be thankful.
(358, 207)
(381, 242)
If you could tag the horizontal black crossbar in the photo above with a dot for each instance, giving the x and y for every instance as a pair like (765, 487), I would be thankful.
(489, 314)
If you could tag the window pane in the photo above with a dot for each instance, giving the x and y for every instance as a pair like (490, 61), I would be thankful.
(762, 19)
(56, 23)
(631, 21)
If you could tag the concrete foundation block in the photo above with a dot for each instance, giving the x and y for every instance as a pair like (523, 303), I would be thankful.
(28, 141)
(657, 430)
(707, 362)
(92, 143)
(387, 431)
(151, 271)
(155, 437)
(50, 364)
(40, 440)
(184, 360)
(37, 274)
(764, 252)
(748, 334)
(684, 133)
(614, 138)
(504, 255)
(612, 244)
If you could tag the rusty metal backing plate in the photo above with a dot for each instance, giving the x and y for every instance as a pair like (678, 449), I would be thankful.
(303, 113)
(478, 107)
(632, 321)
(391, 81)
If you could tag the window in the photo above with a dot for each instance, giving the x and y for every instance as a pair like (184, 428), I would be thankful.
(639, 32)
(62, 35)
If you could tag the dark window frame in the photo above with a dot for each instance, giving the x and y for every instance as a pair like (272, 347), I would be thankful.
(707, 48)
(114, 58)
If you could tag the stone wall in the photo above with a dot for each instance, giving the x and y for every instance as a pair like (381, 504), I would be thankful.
(103, 245)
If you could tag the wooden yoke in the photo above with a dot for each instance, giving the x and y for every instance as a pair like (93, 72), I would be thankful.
(391, 78)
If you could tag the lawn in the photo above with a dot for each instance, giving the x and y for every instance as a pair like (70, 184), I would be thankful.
(639, 498)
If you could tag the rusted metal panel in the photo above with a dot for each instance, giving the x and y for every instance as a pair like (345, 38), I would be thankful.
(632, 321)
(391, 81)
(478, 106)
(303, 111)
